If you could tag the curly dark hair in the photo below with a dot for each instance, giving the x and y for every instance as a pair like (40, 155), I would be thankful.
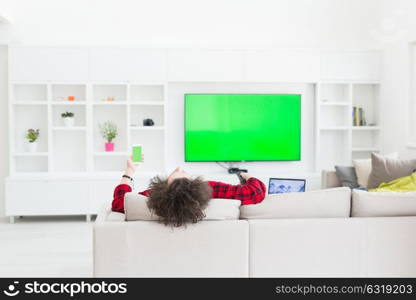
(180, 202)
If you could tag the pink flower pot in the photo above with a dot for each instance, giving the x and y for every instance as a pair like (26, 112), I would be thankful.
(109, 147)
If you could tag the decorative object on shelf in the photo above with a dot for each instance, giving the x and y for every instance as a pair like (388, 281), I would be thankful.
(68, 118)
(32, 136)
(109, 99)
(148, 122)
(358, 118)
(71, 98)
(109, 133)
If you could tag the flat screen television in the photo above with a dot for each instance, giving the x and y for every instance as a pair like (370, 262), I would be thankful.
(242, 127)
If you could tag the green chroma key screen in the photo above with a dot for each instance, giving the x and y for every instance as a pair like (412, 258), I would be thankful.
(242, 127)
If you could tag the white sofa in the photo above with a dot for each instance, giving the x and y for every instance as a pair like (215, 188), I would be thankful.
(284, 247)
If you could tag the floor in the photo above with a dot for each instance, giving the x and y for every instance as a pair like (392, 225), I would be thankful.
(46, 247)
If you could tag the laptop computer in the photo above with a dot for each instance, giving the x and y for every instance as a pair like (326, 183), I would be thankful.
(286, 185)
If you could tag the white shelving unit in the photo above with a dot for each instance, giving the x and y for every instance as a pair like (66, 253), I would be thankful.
(337, 140)
(80, 149)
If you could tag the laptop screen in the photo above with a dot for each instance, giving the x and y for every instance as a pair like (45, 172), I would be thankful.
(285, 185)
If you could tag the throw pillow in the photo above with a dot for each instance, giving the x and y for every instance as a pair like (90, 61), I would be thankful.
(347, 176)
(135, 207)
(363, 169)
(387, 169)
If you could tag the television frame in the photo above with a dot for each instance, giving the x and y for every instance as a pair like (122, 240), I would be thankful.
(209, 161)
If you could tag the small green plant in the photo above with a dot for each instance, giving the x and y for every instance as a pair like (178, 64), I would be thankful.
(32, 135)
(67, 114)
(108, 131)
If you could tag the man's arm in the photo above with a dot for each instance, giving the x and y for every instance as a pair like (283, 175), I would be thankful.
(118, 197)
(124, 187)
(252, 192)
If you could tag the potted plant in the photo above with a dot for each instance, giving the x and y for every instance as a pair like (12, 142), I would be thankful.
(109, 132)
(32, 136)
(68, 118)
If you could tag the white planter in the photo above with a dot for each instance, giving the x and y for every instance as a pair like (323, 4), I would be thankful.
(32, 147)
(69, 122)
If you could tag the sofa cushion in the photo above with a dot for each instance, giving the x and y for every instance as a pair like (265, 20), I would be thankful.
(363, 168)
(135, 206)
(384, 169)
(329, 203)
(383, 204)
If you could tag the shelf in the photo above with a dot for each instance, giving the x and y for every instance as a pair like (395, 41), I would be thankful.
(132, 102)
(101, 92)
(30, 103)
(115, 153)
(69, 153)
(339, 103)
(29, 154)
(118, 102)
(69, 103)
(29, 92)
(334, 94)
(147, 93)
(366, 128)
(116, 114)
(359, 128)
(140, 113)
(334, 128)
(60, 92)
(79, 111)
(365, 149)
(147, 127)
(74, 128)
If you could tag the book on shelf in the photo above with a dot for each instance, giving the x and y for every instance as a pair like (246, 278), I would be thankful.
(358, 116)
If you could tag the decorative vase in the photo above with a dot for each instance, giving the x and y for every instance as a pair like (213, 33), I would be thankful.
(69, 122)
(33, 147)
(109, 147)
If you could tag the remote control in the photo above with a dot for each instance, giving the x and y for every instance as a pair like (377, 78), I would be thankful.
(242, 180)
(238, 172)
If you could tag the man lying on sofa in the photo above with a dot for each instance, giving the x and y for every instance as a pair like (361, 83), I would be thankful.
(180, 199)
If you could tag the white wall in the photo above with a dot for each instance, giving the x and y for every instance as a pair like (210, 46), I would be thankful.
(4, 149)
(397, 29)
(195, 23)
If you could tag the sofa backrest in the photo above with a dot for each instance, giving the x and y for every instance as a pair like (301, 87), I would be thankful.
(327, 203)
